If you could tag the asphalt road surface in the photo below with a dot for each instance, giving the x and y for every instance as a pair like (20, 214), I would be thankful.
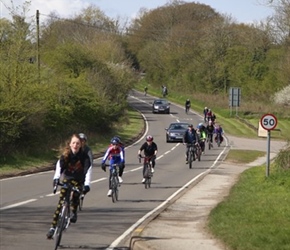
(27, 203)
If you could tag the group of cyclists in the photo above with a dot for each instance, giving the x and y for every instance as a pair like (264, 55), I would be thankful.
(75, 163)
(75, 166)
(199, 135)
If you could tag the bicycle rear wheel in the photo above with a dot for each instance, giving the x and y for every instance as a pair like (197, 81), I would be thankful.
(60, 226)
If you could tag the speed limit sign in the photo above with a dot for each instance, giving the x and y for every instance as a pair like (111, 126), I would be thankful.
(269, 121)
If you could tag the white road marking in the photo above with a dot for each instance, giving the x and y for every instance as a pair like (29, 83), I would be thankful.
(17, 204)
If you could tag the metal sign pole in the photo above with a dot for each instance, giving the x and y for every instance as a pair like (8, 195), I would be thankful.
(268, 154)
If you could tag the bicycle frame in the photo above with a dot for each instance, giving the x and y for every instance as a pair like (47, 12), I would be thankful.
(147, 170)
(64, 216)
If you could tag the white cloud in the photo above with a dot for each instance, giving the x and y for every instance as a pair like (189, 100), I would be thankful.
(64, 8)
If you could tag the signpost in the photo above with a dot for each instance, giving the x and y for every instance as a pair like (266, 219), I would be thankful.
(268, 122)
(234, 98)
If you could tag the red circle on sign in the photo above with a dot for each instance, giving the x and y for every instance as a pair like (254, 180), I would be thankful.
(269, 121)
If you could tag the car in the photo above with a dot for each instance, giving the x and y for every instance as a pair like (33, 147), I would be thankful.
(161, 106)
(175, 131)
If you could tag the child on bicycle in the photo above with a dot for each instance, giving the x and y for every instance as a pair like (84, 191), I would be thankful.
(75, 167)
(115, 155)
(150, 150)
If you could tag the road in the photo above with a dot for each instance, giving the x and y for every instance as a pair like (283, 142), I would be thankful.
(27, 203)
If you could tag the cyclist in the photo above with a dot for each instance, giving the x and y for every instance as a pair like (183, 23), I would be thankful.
(150, 150)
(74, 165)
(189, 137)
(210, 130)
(209, 115)
(145, 90)
(115, 155)
(121, 168)
(218, 130)
(201, 131)
(213, 118)
(89, 152)
(187, 106)
(205, 110)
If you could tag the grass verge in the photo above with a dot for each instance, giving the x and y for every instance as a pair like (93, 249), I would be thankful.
(243, 156)
(255, 216)
(130, 128)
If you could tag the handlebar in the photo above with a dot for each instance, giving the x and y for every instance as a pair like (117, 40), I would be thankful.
(113, 165)
(65, 185)
(149, 158)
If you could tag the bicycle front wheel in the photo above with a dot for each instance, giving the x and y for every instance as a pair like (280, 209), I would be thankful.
(114, 187)
(146, 176)
(81, 202)
(190, 157)
(60, 226)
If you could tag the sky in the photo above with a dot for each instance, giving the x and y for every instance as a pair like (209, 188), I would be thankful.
(246, 11)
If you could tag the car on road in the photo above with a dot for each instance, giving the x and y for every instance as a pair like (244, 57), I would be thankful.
(161, 106)
(175, 131)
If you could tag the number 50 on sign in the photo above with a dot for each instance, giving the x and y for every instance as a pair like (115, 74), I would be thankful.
(268, 121)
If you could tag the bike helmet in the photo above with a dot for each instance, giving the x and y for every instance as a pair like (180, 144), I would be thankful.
(149, 138)
(200, 125)
(83, 136)
(115, 140)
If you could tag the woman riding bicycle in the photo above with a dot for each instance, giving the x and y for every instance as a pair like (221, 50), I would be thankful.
(75, 165)
(150, 150)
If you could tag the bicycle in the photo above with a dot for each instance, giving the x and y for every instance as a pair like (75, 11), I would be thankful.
(198, 151)
(187, 107)
(191, 153)
(209, 138)
(65, 212)
(147, 170)
(114, 182)
(218, 139)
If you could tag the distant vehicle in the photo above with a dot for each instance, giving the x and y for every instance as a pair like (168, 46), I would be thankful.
(175, 131)
(161, 106)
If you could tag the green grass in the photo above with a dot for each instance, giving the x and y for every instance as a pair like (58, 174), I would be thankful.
(256, 214)
(243, 156)
(127, 129)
